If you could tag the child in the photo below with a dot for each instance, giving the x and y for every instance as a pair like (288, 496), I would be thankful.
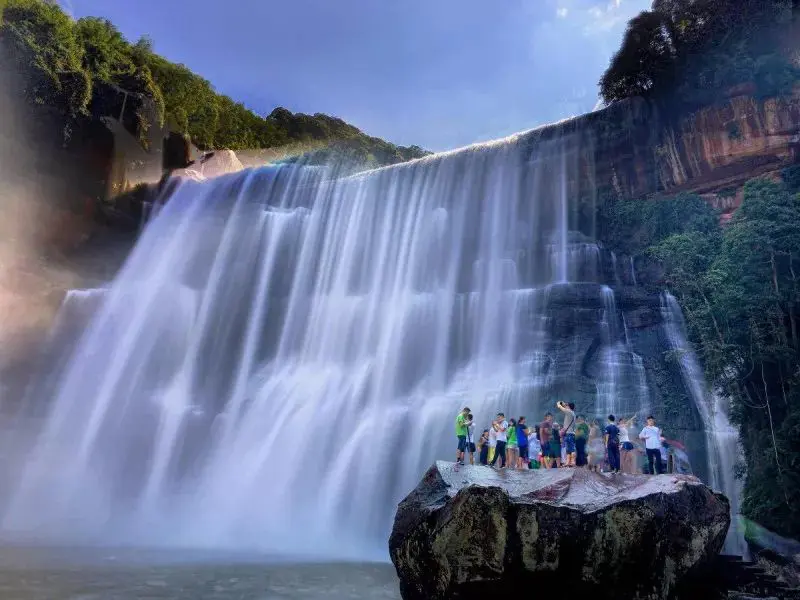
(511, 444)
(555, 446)
(483, 448)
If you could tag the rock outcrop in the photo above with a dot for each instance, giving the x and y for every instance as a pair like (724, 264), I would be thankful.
(465, 532)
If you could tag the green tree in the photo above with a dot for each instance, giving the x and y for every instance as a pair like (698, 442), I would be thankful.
(685, 53)
(106, 54)
(37, 38)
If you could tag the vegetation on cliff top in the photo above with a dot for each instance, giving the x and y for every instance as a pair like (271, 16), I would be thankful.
(740, 291)
(688, 53)
(62, 63)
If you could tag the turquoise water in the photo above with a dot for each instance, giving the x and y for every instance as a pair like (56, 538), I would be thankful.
(104, 574)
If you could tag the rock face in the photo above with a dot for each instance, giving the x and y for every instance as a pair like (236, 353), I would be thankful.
(463, 533)
(634, 150)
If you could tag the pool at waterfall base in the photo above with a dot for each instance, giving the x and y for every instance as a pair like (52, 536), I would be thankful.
(63, 573)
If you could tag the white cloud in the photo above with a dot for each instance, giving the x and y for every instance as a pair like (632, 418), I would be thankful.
(612, 16)
(562, 12)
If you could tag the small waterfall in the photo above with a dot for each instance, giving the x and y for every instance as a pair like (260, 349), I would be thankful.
(614, 267)
(722, 439)
(610, 315)
(633, 270)
(576, 261)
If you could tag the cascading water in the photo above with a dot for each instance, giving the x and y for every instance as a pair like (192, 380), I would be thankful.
(283, 354)
(722, 443)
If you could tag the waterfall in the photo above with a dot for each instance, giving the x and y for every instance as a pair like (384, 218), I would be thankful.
(722, 439)
(284, 352)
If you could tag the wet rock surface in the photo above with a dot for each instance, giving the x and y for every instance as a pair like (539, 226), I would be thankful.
(464, 532)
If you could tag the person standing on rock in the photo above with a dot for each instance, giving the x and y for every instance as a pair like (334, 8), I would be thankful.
(581, 439)
(534, 448)
(596, 450)
(500, 425)
(625, 446)
(492, 442)
(555, 446)
(471, 438)
(483, 448)
(511, 444)
(652, 443)
(545, 433)
(611, 440)
(462, 430)
(568, 432)
(522, 444)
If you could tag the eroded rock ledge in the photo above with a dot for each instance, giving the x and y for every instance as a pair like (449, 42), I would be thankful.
(463, 533)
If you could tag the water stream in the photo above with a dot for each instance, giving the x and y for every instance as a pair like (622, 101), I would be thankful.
(724, 450)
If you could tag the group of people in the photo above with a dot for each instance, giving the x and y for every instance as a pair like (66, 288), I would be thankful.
(578, 442)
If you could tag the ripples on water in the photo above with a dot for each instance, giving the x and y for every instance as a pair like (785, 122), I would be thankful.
(69, 574)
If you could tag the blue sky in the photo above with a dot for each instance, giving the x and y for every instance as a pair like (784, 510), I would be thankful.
(437, 73)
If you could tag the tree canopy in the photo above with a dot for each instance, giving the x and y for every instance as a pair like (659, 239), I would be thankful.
(688, 52)
(62, 62)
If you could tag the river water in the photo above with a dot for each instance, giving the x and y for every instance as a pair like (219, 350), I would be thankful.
(36, 573)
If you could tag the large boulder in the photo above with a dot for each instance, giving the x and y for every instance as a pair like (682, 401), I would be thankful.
(463, 533)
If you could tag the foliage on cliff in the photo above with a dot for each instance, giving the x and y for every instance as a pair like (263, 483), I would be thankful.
(688, 53)
(63, 63)
(740, 292)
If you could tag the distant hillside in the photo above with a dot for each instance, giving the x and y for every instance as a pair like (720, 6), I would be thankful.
(62, 60)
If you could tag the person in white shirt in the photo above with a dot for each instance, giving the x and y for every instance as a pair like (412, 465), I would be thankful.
(652, 443)
(500, 425)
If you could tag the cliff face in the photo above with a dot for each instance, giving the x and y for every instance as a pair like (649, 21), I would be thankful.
(633, 150)
(721, 144)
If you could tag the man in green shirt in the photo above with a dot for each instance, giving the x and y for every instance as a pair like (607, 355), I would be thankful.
(463, 422)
